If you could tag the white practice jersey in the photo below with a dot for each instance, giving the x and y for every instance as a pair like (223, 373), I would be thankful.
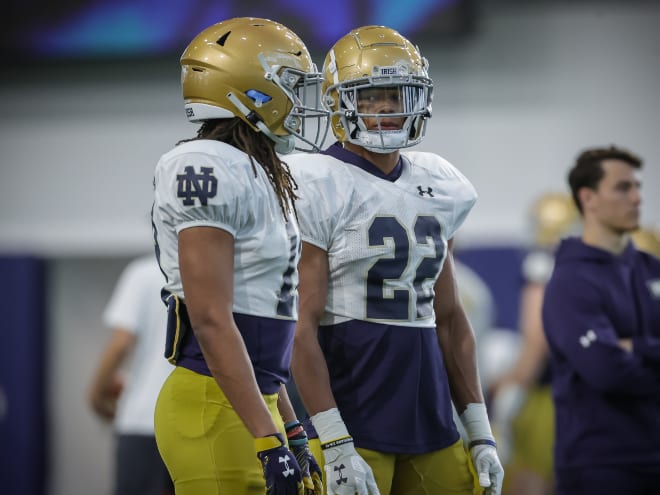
(386, 241)
(210, 183)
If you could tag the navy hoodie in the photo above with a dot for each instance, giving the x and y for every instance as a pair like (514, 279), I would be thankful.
(607, 400)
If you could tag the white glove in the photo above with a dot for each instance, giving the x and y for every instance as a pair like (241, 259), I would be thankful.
(483, 448)
(346, 472)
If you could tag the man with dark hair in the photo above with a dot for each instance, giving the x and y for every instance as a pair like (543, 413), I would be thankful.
(601, 316)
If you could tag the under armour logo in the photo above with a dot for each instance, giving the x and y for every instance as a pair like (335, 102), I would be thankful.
(340, 477)
(201, 186)
(654, 288)
(587, 338)
(288, 470)
(422, 192)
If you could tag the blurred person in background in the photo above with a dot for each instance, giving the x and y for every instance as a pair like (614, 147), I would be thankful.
(383, 343)
(477, 299)
(647, 239)
(521, 400)
(228, 243)
(601, 318)
(137, 318)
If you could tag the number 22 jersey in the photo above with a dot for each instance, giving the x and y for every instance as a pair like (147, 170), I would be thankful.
(386, 240)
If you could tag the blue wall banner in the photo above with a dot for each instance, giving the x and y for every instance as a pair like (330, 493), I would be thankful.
(23, 435)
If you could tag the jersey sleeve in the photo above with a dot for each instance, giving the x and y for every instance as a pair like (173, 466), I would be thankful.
(466, 197)
(318, 206)
(447, 178)
(581, 334)
(198, 189)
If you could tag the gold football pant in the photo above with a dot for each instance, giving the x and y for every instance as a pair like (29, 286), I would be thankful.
(205, 445)
(442, 472)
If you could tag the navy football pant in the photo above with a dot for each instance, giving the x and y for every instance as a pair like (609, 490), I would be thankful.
(139, 469)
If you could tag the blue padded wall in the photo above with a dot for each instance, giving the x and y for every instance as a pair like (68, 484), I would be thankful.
(22, 376)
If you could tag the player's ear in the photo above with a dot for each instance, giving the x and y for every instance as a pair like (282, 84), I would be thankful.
(586, 195)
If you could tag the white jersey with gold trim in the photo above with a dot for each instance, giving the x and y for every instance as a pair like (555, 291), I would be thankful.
(386, 241)
(210, 183)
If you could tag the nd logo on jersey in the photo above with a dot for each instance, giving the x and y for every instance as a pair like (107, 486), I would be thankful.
(192, 185)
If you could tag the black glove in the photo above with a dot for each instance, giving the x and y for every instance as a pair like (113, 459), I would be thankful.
(281, 470)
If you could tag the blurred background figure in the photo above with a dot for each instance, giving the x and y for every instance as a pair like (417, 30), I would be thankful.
(647, 239)
(520, 399)
(130, 373)
(477, 299)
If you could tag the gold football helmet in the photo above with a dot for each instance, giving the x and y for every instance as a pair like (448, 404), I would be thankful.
(366, 60)
(647, 239)
(257, 70)
(553, 216)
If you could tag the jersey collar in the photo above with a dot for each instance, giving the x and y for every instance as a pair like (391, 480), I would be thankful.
(337, 151)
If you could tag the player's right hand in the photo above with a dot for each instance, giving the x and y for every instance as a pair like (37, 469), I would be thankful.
(488, 467)
(346, 472)
(281, 470)
(483, 448)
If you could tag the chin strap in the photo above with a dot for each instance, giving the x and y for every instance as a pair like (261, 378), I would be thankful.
(283, 145)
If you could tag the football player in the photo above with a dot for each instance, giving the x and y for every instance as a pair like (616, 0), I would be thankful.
(228, 244)
(382, 343)
(521, 402)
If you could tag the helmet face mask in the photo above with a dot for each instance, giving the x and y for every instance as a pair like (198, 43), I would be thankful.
(307, 120)
(377, 89)
(259, 71)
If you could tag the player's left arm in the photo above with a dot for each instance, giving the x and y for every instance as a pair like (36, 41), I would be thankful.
(456, 339)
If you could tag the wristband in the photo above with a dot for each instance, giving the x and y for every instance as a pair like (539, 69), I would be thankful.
(336, 443)
(483, 441)
(295, 433)
(270, 442)
(293, 429)
(329, 425)
(475, 421)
